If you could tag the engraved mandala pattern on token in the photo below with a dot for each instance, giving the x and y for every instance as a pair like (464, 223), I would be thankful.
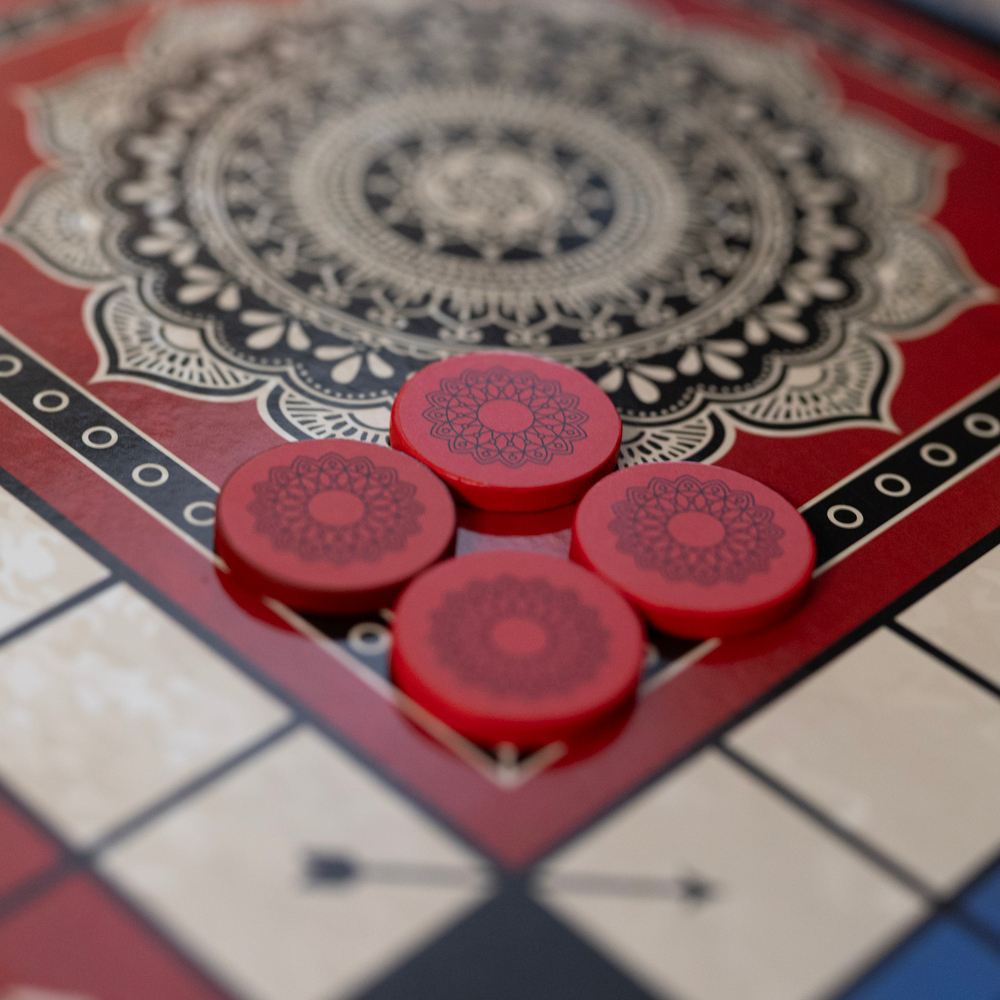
(512, 417)
(305, 206)
(342, 510)
(522, 638)
(704, 532)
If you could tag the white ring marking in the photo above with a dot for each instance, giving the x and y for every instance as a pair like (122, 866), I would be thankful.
(974, 421)
(190, 514)
(832, 513)
(356, 639)
(883, 482)
(38, 404)
(928, 450)
(90, 443)
(163, 474)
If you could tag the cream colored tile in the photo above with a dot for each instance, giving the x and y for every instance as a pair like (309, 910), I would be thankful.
(227, 872)
(790, 910)
(962, 616)
(39, 566)
(111, 705)
(898, 748)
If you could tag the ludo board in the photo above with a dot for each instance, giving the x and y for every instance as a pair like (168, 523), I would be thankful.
(765, 230)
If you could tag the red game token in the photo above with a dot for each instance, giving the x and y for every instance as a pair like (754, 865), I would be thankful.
(516, 647)
(508, 432)
(701, 551)
(332, 526)
(506, 524)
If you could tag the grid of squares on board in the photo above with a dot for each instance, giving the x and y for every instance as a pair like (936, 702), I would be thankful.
(841, 837)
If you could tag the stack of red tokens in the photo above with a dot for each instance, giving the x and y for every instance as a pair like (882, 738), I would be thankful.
(512, 646)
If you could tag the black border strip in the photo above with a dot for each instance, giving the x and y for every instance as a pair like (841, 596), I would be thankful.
(145, 472)
(977, 100)
(908, 475)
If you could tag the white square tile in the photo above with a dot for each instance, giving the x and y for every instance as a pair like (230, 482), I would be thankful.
(39, 566)
(790, 910)
(962, 616)
(228, 873)
(108, 707)
(898, 748)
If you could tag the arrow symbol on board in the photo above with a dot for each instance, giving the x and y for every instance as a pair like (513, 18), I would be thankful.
(690, 889)
(329, 869)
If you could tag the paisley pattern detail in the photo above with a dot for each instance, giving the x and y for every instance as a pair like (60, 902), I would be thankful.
(747, 538)
(688, 218)
(573, 645)
(505, 416)
(382, 513)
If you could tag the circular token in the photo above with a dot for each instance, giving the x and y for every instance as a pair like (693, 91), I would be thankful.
(514, 647)
(508, 432)
(337, 527)
(700, 550)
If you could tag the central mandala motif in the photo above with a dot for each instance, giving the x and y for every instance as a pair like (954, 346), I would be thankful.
(504, 416)
(685, 529)
(307, 207)
(488, 199)
(521, 638)
(342, 510)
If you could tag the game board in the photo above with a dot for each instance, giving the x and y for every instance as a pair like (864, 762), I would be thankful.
(766, 229)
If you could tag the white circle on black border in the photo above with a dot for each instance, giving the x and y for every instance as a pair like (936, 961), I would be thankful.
(974, 422)
(16, 366)
(856, 514)
(927, 453)
(370, 639)
(62, 401)
(91, 443)
(191, 514)
(162, 473)
(884, 484)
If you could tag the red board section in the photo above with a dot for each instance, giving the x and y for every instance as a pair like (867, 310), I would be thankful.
(76, 939)
(25, 853)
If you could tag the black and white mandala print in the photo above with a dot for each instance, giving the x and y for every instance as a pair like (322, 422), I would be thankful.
(306, 207)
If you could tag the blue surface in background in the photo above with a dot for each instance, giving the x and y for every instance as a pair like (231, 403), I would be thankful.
(942, 962)
(980, 16)
(983, 902)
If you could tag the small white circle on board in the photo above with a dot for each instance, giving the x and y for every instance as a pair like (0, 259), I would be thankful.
(982, 425)
(10, 366)
(201, 513)
(892, 485)
(50, 401)
(941, 456)
(856, 518)
(100, 437)
(150, 474)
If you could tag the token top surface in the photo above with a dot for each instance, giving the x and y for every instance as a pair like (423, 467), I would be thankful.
(508, 431)
(701, 550)
(517, 647)
(323, 523)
